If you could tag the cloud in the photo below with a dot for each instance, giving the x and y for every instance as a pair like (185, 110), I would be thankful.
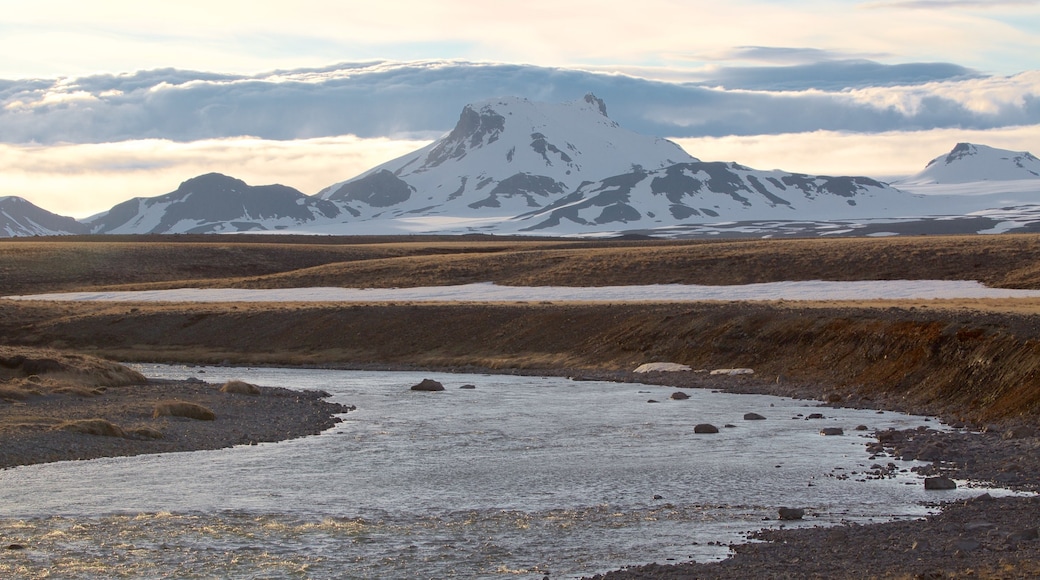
(836, 75)
(423, 100)
(783, 55)
(82, 180)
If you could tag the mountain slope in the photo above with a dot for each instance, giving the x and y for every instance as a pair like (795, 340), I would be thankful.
(214, 203)
(19, 217)
(505, 156)
(969, 162)
(716, 191)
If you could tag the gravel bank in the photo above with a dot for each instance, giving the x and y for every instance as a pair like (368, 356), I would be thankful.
(36, 429)
(981, 538)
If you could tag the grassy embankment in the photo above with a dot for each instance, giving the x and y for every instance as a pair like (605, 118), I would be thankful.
(976, 360)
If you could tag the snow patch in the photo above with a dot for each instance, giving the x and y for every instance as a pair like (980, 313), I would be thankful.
(489, 292)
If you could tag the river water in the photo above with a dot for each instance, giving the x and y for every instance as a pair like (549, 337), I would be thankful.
(519, 477)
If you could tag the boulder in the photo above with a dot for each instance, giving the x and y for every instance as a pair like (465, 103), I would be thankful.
(939, 483)
(705, 428)
(468, 387)
(832, 431)
(791, 513)
(753, 417)
(680, 396)
(815, 416)
(428, 385)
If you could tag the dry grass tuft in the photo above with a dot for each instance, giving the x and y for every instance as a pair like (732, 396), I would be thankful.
(93, 427)
(39, 365)
(239, 388)
(146, 432)
(16, 392)
(183, 409)
(79, 391)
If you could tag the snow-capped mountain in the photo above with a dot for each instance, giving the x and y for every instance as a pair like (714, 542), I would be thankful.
(19, 217)
(505, 157)
(214, 203)
(715, 191)
(516, 166)
(968, 162)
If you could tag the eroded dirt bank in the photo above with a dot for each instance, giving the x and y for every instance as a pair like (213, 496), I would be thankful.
(966, 365)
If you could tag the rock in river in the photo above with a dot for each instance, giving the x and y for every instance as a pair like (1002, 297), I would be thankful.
(791, 513)
(428, 385)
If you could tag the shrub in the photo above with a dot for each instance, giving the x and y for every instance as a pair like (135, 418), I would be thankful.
(239, 388)
(93, 427)
(183, 409)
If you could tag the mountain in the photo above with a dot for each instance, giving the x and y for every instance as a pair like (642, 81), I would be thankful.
(511, 165)
(214, 203)
(19, 217)
(504, 157)
(968, 162)
(715, 191)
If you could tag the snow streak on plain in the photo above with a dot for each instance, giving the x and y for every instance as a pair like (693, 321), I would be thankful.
(490, 292)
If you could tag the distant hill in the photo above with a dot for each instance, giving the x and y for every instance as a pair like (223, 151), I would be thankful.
(214, 203)
(969, 162)
(19, 217)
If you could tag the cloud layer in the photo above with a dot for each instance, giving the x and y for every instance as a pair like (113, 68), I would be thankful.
(423, 99)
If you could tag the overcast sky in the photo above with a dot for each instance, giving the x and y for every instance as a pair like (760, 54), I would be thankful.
(102, 101)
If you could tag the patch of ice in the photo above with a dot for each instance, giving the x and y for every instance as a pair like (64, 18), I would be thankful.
(661, 367)
(490, 292)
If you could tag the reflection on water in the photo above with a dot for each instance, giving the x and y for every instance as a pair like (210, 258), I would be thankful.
(519, 477)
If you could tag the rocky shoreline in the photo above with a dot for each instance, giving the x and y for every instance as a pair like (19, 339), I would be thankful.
(985, 537)
(55, 426)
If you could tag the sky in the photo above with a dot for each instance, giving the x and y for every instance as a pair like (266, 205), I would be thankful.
(107, 100)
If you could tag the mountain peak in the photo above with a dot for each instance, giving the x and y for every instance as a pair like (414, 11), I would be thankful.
(972, 162)
(594, 100)
(507, 154)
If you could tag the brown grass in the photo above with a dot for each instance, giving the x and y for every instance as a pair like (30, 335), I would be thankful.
(52, 366)
(975, 356)
(239, 388)
(146, 432)
(63, 264)
(17, 392)
(99, 427)
(183, 409)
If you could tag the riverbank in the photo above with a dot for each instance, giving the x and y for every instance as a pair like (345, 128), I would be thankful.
(59, 407)
(985, 538)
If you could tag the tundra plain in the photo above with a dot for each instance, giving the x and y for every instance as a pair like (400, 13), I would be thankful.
(973, 363)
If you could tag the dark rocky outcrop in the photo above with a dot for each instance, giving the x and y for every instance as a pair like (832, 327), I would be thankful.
(939, 483)
(753, 417)
(787, 514)
(705, 428)
(428, 385)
